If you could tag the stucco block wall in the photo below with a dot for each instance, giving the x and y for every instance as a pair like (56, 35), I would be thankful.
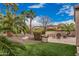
(77, 25)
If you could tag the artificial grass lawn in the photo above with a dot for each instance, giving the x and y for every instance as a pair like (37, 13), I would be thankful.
(50, 49)
(47, 49)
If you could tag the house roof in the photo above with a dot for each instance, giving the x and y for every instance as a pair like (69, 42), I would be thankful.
(77, 7)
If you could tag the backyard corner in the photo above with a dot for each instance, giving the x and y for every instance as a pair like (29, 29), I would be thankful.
(26, 32)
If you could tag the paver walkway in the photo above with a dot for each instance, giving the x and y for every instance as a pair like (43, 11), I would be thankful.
(23, 40)
(69, 40)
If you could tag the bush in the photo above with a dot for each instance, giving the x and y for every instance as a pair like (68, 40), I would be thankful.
(51, 29)
(37, 34)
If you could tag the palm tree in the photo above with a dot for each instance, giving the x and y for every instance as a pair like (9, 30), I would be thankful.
(8, 19)
(11, 24)
(11, 6)
(29, 14)
(20, 24)
(7, 22)
(7, 25)
(68, 28)
(1, 18)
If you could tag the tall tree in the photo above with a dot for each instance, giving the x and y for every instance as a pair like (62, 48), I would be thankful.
(29, 14)
(11, 7)
(7, 23)
(20, 24)
(45, 20)
(11, 23)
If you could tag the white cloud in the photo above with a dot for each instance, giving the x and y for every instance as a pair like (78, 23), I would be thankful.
(66, 9)
(64, 22)
(41, 5)
(34, 21)
(71, 13)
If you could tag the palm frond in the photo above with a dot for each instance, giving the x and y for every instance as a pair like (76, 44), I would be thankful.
(10, 47)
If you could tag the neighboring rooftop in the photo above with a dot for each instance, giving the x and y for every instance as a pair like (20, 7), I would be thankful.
(77, 7)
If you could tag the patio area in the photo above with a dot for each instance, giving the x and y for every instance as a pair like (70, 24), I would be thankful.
(26, 39)
(68, 40)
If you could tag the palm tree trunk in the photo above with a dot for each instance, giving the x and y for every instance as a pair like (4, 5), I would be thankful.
(30, 26)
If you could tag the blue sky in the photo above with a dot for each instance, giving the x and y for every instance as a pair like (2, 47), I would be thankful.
(58, 12)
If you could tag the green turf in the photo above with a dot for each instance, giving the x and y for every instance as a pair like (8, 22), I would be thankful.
(50, 49)
(47, 49)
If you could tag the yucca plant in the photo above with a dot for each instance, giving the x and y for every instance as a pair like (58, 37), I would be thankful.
(7, 47)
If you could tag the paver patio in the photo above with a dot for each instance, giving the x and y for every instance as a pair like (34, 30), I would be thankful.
(69, 40)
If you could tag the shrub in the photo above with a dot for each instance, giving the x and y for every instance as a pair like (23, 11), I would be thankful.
(51, 29)
(37, 34)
